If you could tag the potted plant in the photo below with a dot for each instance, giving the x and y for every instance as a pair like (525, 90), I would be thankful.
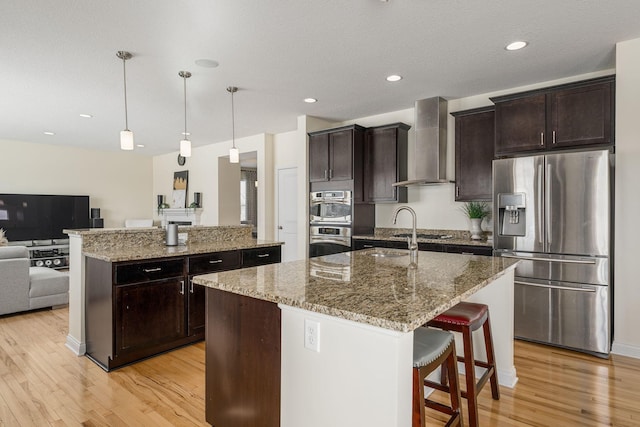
(476, 212)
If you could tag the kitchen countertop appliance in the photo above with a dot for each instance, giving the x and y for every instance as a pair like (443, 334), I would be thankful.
(330, 220)
(554, 212)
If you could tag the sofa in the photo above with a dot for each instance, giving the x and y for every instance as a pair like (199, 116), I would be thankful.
(25, 288)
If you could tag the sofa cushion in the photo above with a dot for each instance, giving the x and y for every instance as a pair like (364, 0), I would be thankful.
(46, 281)
(9, 252)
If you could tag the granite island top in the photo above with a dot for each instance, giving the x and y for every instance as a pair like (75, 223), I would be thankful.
(135, 252)
(386, 292)
(454, 237)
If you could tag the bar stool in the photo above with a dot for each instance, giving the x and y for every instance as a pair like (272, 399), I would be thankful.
(467, 317)
(431, 349)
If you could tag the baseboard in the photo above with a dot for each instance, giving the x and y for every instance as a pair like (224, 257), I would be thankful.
(626, 350)
(78, 348)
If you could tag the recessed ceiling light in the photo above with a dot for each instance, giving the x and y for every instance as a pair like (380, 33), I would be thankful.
(86, 116)
(207, 63)
(394, 78)
(49, 133)
(516, 45)
(310, 100)
(140, 145)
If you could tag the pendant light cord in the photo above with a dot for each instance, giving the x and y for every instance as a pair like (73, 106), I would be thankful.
(126, 112)
(184, 78)
(233, 121)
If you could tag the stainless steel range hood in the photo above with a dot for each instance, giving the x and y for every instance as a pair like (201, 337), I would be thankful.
(428, 162)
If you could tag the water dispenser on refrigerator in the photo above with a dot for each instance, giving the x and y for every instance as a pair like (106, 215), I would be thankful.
(511, 211)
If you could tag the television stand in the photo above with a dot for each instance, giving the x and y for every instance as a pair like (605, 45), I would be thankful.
(49, 253)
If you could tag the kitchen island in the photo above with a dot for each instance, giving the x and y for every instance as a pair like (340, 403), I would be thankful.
(110, 266)
(328, 341)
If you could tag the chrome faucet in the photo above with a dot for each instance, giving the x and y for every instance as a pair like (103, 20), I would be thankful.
(413, 240)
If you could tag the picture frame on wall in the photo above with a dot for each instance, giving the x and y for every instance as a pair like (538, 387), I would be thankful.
(180, 185)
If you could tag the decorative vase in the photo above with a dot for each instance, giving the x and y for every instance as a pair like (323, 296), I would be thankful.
(476, 229)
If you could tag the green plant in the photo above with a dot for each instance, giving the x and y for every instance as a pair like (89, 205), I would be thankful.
(476, 209)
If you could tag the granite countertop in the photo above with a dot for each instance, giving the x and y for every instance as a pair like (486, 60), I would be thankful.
(385, 292)
(139, 252)
(458, 237)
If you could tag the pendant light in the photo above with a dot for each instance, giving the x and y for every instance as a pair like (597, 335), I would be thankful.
(185, 144)
(126, 136)
(234, 154)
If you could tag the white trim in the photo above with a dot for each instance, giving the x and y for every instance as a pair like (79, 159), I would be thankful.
(75, 346)
(626, 350)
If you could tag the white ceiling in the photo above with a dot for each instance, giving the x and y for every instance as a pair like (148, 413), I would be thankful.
(59, 60)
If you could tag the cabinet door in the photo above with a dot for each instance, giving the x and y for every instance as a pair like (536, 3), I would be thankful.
(341, 155)
(474, 154)
(195, 309)
(319, 157)
(381, 166)
(520, 125)
(149, 315)
(581, 116)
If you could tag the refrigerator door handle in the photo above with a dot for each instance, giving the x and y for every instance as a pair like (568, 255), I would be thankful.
(547, 205)
(538, 191)
(558, 260)
(564, 288)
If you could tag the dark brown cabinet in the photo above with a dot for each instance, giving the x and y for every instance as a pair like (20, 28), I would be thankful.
(331, 153)
(572, 115)
(137, 309)
(475, 134)
(423, 246)
(385, 162)
(148, 316)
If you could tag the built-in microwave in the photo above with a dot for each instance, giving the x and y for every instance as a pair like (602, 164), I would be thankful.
(330, 207)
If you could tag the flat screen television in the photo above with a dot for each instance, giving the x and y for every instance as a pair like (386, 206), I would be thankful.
(42, 217)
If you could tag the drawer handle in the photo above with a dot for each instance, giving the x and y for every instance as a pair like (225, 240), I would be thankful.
(152, 270)
(263, 255)
(215, 261)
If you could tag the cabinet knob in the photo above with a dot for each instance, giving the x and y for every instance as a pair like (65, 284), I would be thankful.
(279, 227)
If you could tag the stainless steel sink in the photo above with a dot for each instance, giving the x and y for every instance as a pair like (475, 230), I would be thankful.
(386, 253)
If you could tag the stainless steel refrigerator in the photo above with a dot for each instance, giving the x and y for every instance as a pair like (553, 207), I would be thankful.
(554, 212)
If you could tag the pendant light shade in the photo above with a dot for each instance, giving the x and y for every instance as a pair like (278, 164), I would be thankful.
(185, 144)
(234, 154)
(185, 148)
(126, 140)
(126, 136)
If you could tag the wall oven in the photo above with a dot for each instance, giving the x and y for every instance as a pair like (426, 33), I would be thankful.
(329, 222)
(330, 207)
(329, 239)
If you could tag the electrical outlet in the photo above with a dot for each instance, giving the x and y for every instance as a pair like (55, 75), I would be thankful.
(312, 335)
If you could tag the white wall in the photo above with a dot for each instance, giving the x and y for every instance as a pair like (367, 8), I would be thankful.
(119, 183)
(203, 177)
(627, 205)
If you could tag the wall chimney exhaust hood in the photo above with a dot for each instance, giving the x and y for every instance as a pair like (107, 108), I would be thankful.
(428, 164)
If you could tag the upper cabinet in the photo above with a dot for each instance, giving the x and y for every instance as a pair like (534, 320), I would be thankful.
(474, 153)
(385, 162)
(331, 153)
(335, 160)
(572, 115)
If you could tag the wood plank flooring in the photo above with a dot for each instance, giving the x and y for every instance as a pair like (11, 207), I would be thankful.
(42, 383)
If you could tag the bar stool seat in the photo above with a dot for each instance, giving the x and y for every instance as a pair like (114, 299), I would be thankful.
(466, 317)
(431, 349)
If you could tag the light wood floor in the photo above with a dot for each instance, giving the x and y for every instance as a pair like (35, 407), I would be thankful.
(43, 383)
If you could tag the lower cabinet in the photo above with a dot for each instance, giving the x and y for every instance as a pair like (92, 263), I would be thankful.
(137, 309)
(423, 246)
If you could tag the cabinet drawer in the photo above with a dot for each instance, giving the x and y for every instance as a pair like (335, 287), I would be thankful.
(260, 256)
(210, 263)
(469, 249)
(148, 270)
